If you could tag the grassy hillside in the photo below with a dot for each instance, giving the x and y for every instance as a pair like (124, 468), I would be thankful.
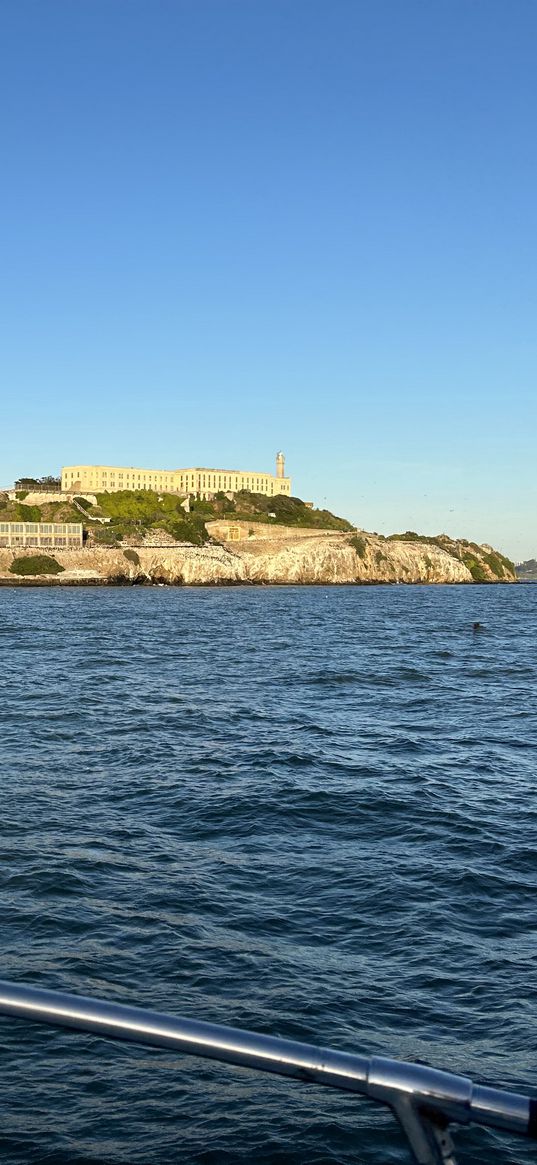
(60, 511)
(283, 511)
(133, 513)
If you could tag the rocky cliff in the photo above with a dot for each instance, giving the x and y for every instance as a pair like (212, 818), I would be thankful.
(290, 557)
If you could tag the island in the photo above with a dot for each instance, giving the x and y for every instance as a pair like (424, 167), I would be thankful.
(143, 537)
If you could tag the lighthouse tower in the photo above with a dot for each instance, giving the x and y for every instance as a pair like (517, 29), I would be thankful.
(280, 465)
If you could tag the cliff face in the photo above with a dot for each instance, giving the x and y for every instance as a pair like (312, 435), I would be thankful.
(291, 557)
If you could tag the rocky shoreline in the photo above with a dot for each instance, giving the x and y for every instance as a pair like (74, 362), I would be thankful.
(289, 557)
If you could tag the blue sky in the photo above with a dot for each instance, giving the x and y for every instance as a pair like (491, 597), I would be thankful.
(231, 226)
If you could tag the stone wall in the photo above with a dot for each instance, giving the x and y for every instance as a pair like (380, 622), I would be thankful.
(40, 498)
(226, 530)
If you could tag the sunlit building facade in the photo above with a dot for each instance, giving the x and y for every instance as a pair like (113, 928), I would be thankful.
(200, 481)
(41, 534)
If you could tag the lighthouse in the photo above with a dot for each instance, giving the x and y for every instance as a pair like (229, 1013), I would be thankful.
(280, 465)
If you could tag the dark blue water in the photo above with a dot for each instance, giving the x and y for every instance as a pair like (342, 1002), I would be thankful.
(307, 811)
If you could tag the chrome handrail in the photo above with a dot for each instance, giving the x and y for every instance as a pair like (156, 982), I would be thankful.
(424, 1100)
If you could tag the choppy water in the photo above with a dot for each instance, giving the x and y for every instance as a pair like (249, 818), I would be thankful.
(306, 811)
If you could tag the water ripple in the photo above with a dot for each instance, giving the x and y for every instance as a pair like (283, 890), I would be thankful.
(307, 811)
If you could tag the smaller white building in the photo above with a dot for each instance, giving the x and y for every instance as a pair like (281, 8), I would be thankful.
(41, 534)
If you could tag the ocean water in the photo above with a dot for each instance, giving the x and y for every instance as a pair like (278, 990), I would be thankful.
(307, 811)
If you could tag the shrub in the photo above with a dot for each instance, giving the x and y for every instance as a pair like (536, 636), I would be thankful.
(132, 556)
(140, 506)
(225, 504)
(21, 494)
(288, 511)
(380, 557)
(185, 530)
(358, 544)
(107, 537)
(27, 513)
(476, 568)
(499, 564)
(203, 507)
(411, 536)
(33, 564)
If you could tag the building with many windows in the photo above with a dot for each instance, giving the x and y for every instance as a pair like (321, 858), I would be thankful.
(201, 481)
(41, 534)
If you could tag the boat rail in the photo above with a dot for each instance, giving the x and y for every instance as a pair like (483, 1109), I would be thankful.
(424, 1100)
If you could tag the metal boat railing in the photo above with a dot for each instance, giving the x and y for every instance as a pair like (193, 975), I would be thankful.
(424, 1100)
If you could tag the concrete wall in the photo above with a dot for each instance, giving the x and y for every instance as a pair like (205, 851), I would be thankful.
(226, 530)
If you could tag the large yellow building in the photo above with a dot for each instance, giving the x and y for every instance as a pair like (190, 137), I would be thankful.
(200, 481)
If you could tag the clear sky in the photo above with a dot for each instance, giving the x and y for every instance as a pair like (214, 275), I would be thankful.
(234, 226)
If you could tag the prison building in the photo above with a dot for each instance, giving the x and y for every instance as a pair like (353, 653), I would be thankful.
(41, 534)
(203, 482)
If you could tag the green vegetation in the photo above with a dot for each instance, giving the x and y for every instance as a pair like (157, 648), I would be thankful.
(475, 567)
(278, 510)
(185, 530)
(107, 536)
(284, 511)
(411, 536)
(225, 504)
(33, 564)
(134, 512)
(27, 513)
(358, 544)
(478, 559)
(49, 482)
(60, 511)
(498, 563)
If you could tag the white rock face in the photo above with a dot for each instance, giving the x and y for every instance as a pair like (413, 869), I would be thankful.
(334, 560)
(288, 556)
(328, 558)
